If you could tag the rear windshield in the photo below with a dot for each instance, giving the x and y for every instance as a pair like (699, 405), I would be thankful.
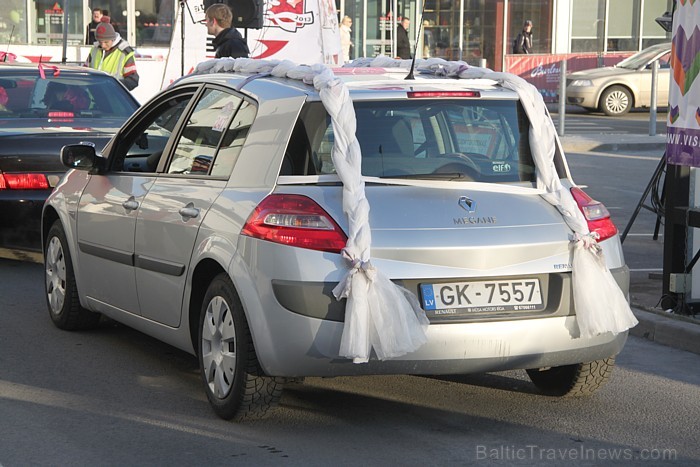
(66, 95)
(463, 140)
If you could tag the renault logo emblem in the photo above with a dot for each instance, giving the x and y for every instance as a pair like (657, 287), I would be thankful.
(467, 204)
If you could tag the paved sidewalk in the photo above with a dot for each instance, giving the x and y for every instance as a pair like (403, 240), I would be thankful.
(664, 328)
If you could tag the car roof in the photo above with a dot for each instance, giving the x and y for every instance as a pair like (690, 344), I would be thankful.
(362, 83)
(48, 68)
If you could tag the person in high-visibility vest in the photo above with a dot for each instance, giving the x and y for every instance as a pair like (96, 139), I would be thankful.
(113, 55)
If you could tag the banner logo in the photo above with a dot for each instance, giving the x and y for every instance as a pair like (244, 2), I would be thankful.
(289, 15)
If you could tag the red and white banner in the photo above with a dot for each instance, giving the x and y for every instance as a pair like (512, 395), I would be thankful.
(303, 31)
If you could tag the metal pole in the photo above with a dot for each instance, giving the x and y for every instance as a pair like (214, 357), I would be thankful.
(562, 97)
(652, 107)
(64, 51)
(461, 29)
(182, 37)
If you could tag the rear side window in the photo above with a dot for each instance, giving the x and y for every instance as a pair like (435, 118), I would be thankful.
(213, 135)
(461, 140)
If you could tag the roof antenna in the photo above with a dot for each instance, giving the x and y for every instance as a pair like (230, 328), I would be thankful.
(9, 42)
(415, 48)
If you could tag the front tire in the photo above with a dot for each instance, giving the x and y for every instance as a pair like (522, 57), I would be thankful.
(235, 384)
(61, 289)
(616, 101)
(578, 380)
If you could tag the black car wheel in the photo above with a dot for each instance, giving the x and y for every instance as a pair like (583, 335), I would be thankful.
(61, 289)
(581, 379)
(234, 382)
(616, 101)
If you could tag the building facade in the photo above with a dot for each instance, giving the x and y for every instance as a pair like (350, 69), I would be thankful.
(480, 32)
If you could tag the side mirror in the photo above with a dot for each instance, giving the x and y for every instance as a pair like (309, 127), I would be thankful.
(80, 156)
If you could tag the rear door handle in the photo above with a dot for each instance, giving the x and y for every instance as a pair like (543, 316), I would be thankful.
(189, 211)
(130, 204)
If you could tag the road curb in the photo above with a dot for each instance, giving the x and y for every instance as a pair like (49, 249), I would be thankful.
(667, 329)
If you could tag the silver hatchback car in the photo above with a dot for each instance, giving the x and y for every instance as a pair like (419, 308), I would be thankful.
(214, 221)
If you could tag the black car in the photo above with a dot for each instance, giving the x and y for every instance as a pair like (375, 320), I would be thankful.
(42, 108)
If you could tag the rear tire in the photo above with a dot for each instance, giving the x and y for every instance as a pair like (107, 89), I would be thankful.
(616, 101)
(578, 380)
(61, 289)
(234, 382)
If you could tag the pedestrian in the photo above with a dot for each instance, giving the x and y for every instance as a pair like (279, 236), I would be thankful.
(113, 55)
(403, 45)
(523, 43)
(90, 29)
(227, 42)
(428, 40)
(345, 40)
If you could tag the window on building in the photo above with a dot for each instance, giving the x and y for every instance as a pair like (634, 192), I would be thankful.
(652, 33)
(50, 16)
(587, 26)
(116, 10)
(623, 32)
(540, 13)
(154, 22)
(631, 24)
(13, 22)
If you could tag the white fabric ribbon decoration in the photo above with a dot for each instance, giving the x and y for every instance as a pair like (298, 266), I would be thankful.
(385, 317)
(379, 315)
(601, 307)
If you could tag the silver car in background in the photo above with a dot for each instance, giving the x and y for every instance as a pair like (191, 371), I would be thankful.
(213, 221)
(618, 89)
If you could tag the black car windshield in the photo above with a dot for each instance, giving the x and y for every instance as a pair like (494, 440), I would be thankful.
(450, 139)
(25, 96)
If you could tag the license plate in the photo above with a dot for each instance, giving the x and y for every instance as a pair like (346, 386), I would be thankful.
(481, 296)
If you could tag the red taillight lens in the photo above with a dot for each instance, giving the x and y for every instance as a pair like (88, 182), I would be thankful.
(295, 220)
(596, 214)
(61, 114)
(434, 94)
(23, 182)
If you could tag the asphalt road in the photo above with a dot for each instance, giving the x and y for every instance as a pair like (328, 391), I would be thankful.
(116, 397)
(579, 122)
(113, 396)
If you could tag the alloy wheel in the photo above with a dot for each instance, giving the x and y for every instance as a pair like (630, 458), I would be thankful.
(617, 102)
(55, 268)
(219, 347)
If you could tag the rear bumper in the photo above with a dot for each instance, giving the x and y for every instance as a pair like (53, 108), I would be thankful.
(20, 223)
(309, 347)
(294, 344)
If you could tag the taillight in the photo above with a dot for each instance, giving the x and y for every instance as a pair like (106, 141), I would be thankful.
(596, 214)
(23, 182)
(295, 220)
(434, 94)
(61, 114)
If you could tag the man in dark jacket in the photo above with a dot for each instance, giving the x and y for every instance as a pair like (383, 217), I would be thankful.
(227, 42)
(403, 45)
(90, 30)
(523, 43)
